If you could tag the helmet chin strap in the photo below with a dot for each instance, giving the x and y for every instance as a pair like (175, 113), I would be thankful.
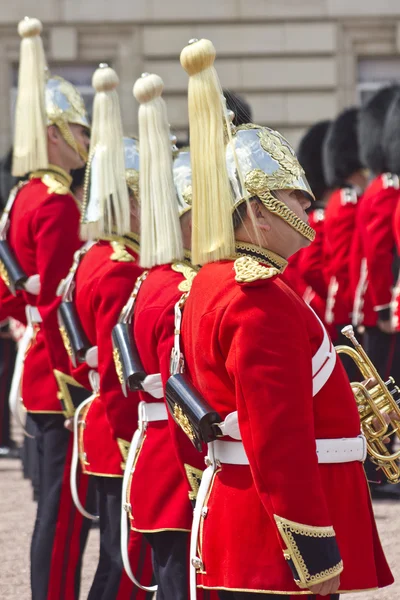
(71, 141)
(279, 208)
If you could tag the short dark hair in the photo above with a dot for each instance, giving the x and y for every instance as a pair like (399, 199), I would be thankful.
(241, 108)
(239, 214)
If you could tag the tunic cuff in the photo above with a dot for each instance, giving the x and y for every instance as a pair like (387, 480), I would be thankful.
(312, 552)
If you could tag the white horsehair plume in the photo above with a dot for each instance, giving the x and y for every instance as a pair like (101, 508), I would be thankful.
(30, 134)
(161, 238)
(212, 227)
(106, 209)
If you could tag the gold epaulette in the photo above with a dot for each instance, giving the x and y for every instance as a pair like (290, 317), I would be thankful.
(248, 269)
(188, 272)
(120, 253)
(54, 186)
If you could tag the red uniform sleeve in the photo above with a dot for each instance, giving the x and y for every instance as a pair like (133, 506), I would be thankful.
(55, 228)
(111, 295)
(311, 262)
(379, 246)
(11, 306)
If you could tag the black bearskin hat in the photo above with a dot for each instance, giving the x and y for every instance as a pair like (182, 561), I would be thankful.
(239, 106)
(391, 137)
(309, 154)
(340, 151)
(370, 129)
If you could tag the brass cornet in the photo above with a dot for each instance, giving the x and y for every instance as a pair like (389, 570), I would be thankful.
(376, 400)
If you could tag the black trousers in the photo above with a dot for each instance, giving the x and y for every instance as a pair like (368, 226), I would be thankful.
(384, 351)
(170, 550)
(250, 596)
(59, 535)
(110, 570)
(7, 361)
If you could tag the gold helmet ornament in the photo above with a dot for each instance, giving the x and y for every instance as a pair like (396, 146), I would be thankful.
(160, 232)
(231, 166)
(41, 101)
(106, 202)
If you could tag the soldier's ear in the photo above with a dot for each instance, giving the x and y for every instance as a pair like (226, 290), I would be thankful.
(53, 134)
(260, 215)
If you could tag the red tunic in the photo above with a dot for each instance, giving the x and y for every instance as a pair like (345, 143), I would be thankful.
(311, 266)
(104, 282)
(396, 291)
(249, 347)
(372, 252)
(43, 234)
(340, 218)
(160, 489)
(292, 275)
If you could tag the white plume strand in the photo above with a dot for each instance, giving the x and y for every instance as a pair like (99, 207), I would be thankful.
(111, 194)
(161, 238)
(30, 134)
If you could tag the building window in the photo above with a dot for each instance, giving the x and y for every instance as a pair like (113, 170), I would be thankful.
(374, 73)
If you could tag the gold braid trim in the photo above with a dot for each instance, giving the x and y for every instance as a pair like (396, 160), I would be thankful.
(280, 209)
(262, 255)
(123, 446)
(194, 477)
(287, 529)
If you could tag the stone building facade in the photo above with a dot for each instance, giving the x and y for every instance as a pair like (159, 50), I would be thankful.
(295, 61)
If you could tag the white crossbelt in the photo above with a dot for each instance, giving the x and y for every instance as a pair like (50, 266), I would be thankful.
(33, 317)
(147, 413)
(75, 460)
(324, 360)
(329, 451)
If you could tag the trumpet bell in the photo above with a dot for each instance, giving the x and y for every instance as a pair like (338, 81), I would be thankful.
(378, 406)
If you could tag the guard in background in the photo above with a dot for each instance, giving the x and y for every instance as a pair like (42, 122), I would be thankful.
(300, 518)
(346, 176)
(41, 229)
(98, 286)
(311, 258)
(304, 273)
(160, 486)
(378, 268)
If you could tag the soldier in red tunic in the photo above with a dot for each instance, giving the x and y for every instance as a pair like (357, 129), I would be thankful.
(390, 142)
(311, 258)
(373, 256)
(345, 175)
(158, 485)
(41, 231)
(377, 255)
(102, 278)
(276, 514)
(305, 273)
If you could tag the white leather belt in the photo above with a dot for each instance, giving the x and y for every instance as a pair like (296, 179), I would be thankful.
(152, 411)
(32, 314)
(342, 450)
(220, 452)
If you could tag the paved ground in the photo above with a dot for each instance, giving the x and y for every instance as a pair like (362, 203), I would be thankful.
(16, 521)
